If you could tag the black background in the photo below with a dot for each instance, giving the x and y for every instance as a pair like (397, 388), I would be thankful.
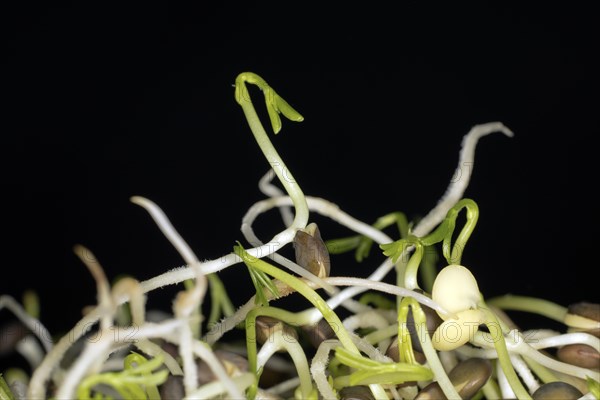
(110, 100)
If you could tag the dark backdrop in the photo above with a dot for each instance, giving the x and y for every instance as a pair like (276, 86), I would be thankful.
(110, 101)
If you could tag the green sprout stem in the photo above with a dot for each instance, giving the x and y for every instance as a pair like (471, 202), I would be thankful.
(542, 372)
(491, 390)
(494, 325)
(278, 313)
(291, 346)
(382, 334)
(428, 268)
(220, 303)
(530, 304)
(275, 105)
(405, 348)
(430, 353)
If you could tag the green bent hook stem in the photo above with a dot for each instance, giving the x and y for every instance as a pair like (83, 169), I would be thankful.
(444, 231)
(286, 317)
(275, 105)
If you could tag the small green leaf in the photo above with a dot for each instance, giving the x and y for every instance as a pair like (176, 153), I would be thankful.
(276, 105)
(342, 245)
(383, 222)
(363, 249)
(394, 249)
(260, 280)
(374, 372)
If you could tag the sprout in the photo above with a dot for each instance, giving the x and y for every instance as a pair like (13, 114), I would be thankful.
(142, 356)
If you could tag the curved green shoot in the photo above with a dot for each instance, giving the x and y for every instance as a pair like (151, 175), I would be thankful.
(342, 245)
(284, 316)
(542, 307)
(443, 233)
(275, 105)
(138, 379)
(220, 303)
(428, 269)
(494, 325)
(405, 348)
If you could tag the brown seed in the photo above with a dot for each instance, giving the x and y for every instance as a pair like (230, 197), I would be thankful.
(556, 391)
(433, 321)
(311, 252)
(356, 393)
(585, 309)
(266, 326)
(580, 355)
(590, 311)
(431, 392)
(172, 389)
(318, 332)
(467, 377)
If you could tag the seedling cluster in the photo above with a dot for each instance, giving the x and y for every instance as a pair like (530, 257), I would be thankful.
(432, 334)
